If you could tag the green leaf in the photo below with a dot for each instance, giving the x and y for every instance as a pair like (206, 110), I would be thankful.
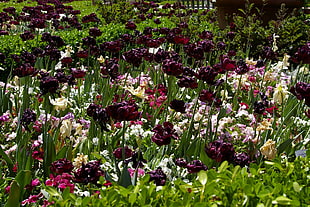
(14, 195)
(284, 145)
(235, 171)
(282, 200)
(53, 192)
(296, 187)
(6, 159)
(66, 193)
(223, 166)
(203, 177)
(132, 198)
(125, 179)
(23, 178)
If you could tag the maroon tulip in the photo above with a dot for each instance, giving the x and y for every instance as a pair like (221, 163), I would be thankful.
(220, 151)
(62, 166)
(124, 111)
(163, 134)
(158, 176)
(195, 166)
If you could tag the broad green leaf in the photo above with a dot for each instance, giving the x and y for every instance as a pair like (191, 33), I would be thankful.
(23, 178)
(125, 179)
(282, 200)
(296, 187)
(284, 145)
(78, 201)
(132, 198)
(53, 192)
(6, 159)
(66, 193)
(203, 177)
(223, 166)
(14, 195)
(235, 171)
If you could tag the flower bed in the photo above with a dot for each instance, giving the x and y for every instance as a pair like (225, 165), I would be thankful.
(140, 104)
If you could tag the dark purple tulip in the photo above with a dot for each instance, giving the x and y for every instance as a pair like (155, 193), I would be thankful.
(56, 41)
(220, 151)
(161, 55)
(302, 91)
(231, 35)
(164, 133)
(194, 51)
(90, 18)
(302, 54)
(3, 32)
(241, 159)
(195, 166)
(206, 35)
(158, 176)
(207, 45)
(134, 56)
(242, 67)
(66, 61)
(207, 74)
(89, 41)
(130, 25)
(206, 96)
(110, 67)
(124, 111)
(82, 54)
(181, 162)
(113, 46)
(28, 117)
(164, 30)
(10, 10)
(27, 35)
(99, 115)
(127, 38)
(307, 113)
(75, 12)
(228, 64)
(38, 52)
(49, 84)
(269, 54)
(157, 21)
(24, 70)
(118, 153)
(171, 67)
(46, 37)
(89, 173)
(187, 82)
(53, 53)
(62, 166)
(221, 45)
(178, 105)
(28, 57)
(95, 32)
(38, 23)
(180, 39)
(231, 53)
(78, 73)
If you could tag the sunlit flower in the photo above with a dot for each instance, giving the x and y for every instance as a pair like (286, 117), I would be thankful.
(66, 128)
(101, 59)
(265, 125)
(139, 91)
(79, 160)
(60, 104)
(280, 94)
(269, 149)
